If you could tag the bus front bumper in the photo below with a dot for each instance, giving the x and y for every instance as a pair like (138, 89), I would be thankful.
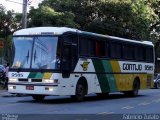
(41, 89)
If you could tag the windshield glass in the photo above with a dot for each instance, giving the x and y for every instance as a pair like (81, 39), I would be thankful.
(22, 53)
(36, 52)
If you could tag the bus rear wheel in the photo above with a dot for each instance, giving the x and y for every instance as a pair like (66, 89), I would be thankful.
(81, 91)
(136, 86)
(135, 89)
(38, 98)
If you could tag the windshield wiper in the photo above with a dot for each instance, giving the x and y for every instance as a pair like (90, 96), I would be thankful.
(35, 56)
(27, 56)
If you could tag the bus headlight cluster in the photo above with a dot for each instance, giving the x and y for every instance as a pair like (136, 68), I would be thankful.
(12, 87)
(50, 81)
(13, 80)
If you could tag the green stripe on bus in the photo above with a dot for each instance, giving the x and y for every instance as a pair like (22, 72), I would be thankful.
(39, 76)
(32, 75)
(35, 75)
(110, 77)
(102, 78)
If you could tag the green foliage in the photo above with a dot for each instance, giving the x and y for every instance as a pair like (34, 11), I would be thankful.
(46, 16)
(124, 18)
(9, 22)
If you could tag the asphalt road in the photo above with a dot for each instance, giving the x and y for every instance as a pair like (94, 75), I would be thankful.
(148, 102)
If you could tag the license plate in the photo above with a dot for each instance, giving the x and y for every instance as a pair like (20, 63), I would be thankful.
(29, 87)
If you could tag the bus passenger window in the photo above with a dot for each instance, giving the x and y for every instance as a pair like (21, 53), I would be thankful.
(116, 50)
(83, 47)
(140, 53)
(97, 49)
(128, 52)
(91, 47)
(149, 54)
(107, 50)
(100, 48)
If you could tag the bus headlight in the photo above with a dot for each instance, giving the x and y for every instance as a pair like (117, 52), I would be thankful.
(13, 80)
(50, 81)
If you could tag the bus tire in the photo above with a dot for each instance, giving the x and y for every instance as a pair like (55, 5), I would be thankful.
(81, 91)
(135, 89)
(38, 98)
(157, 86)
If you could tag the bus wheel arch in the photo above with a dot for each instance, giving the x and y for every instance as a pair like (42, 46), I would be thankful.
(135, 88)
(81, 89)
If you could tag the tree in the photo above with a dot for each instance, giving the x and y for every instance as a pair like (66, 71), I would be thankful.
(8, 24)
(124, 18)
(47, 16)
(155, 30)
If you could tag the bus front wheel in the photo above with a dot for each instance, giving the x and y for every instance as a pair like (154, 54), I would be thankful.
(81, 91)
(38, 98)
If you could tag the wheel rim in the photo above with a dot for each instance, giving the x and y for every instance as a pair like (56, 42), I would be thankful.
(136, 91)
(80, 90)
(136, 87)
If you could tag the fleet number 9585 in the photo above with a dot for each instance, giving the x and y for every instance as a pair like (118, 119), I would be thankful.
(17, 75)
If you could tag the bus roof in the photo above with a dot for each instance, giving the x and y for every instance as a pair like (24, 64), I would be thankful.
(44, 31)
(118, 38)
(61, 30)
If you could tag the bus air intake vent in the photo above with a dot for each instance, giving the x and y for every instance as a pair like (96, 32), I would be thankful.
(36, 80)
(23, 80)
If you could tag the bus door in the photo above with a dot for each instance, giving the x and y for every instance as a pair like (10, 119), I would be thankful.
(69, 54)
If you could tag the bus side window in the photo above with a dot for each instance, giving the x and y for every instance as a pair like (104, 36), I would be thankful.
(116, 52)
(140, 53)
(149, 54)
(128, 52)
(87, 46)
(83, 46)
(100, 48)
(107, 50)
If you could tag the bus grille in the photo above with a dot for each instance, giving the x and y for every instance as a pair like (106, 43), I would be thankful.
(36, 80)
(23, 80)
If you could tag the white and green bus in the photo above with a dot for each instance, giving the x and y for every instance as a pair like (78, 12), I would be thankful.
(66, 61)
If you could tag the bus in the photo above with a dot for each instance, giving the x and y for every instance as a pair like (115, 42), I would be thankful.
(66, 61)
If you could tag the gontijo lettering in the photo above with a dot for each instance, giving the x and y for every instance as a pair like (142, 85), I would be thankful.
(135, 67)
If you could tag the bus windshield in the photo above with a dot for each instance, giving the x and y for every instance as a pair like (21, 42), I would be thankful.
(36, 52)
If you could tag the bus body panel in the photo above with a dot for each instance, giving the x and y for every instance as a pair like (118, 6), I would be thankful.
(102, 76)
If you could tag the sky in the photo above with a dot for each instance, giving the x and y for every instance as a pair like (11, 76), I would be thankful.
(16, 5)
